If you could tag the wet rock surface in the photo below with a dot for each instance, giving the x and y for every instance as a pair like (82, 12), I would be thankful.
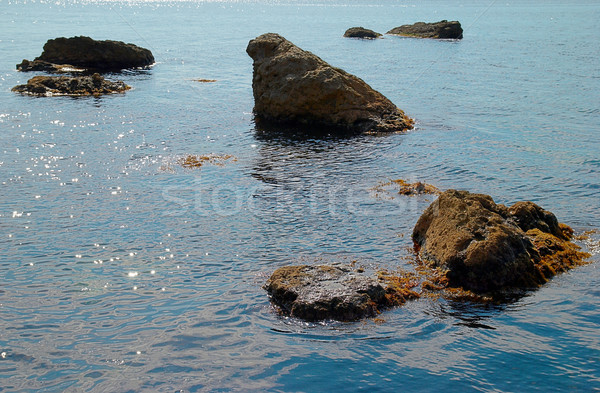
(484, 247)
(442, 30)
(334, 292)
(293, 86)
(71, 86)
(85, 52)
(361, 32)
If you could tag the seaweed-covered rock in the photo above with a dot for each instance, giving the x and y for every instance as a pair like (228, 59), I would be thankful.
(486, 247)
(85, 52)
(335, 292)
(293, 86)
(72, 86)
(442, 29)
(361, 32)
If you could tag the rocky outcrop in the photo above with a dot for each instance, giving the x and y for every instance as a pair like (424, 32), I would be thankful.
(442, 30)
(293, 86)
(71, 86)
(484, 247)
(336, 292)
(361, 32)
(84, 52)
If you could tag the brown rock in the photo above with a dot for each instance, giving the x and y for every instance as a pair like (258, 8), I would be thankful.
(84, 52)
(442, 30)
(294, 86)
(71, 86)
(361, 32)
(335, 292)
(487, 247)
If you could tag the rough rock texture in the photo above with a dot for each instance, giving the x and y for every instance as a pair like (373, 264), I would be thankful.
(41, 65)
(71, 86)
(294, 86)
(361, 32)
(442, 29)
(335, 292)
(84, 52)
(487, 247)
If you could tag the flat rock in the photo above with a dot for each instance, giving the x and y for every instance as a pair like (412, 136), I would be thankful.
(361, 32)
(442, 30)
(71, 86)
(336, 292)
(87, 53)
(486, 247)
(293, 86)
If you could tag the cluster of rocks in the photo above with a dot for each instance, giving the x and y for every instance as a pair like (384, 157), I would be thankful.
(467, 240)
(439, 30)
(85, 58)
(471, 242)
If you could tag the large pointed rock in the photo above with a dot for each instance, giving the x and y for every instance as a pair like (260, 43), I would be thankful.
(293, 86)
(486, 247)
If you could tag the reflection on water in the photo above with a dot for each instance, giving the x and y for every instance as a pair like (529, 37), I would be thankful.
(118, 275)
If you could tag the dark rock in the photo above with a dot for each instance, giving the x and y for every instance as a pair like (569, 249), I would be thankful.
(336, 292)
(293, 86)
(71, 86)
(442, 30)
(84, 52)
(361, 32)
(41, 65)
(487, 247)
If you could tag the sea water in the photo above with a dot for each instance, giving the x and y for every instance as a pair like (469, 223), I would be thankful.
(123, 271)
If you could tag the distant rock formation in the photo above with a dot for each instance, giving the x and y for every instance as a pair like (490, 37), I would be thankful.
(336, 292)
(486, 247)
(71, 86)
(361, 32)
(441, 30)
(84, 52)
(293, 86)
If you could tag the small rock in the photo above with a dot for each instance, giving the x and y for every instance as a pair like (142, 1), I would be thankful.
(293, 86)
(71, 86)
(336, 292)
(441, 30)
(361, 32)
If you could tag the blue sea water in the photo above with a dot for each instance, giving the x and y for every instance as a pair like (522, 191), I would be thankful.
(121, 271)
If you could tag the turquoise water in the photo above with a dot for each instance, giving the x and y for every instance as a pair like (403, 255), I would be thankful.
(122, 271)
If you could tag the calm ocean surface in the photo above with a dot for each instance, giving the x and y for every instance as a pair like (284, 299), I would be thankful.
(124, 272)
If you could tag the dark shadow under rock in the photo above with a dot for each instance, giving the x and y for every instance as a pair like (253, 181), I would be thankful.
(441, 30)
(93, 85)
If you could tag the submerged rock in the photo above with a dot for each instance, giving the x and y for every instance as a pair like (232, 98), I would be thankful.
(484, 247)
(84, 52)
(361, 32)
(442, 29)
(293, 86)
(334, 292)
(71, 86)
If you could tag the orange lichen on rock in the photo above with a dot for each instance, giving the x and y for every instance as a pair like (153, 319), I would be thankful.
(406, 188)
(555, 255)
(196, 161)
(399, 287)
